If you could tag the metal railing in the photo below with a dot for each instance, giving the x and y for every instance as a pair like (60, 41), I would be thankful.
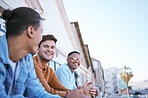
(53, 64)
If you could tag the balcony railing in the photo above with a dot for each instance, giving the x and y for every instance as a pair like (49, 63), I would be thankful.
(53, 64)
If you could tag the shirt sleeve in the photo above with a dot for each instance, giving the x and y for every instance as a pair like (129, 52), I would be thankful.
(55, 83)
(64, 78)
(33, 87)
(54, 86)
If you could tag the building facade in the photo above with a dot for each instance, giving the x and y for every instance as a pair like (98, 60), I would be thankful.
(99, 76)
(55, 22)
(110, 75)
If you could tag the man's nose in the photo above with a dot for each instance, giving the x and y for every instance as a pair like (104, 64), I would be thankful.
(49, 49)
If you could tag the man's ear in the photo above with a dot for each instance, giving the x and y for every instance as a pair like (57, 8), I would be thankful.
(67, 60)
(37, 50)
(30, 32)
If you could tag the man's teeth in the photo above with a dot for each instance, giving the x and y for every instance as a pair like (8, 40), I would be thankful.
(76, 64)
(48, 53)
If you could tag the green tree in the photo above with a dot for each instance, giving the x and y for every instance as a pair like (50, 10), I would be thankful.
(126, 75)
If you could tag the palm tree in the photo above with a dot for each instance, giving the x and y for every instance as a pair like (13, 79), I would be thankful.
(126, 74)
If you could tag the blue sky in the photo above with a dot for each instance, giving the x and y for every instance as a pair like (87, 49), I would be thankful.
(116, 31)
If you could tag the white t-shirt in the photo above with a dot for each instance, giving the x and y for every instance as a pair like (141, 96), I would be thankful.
(13, 64)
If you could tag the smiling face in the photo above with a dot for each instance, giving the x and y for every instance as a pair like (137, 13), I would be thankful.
(73, 61)
(47, 50)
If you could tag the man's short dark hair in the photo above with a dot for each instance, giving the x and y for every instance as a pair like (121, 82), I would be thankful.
(73, 52)
(47, 37)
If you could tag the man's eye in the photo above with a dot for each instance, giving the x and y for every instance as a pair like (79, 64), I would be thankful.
(46, 46)
(53, 47)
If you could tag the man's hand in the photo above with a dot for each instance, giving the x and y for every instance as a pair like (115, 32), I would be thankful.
(89, 90)
(77, 93)
(93, 92)
(86, 88)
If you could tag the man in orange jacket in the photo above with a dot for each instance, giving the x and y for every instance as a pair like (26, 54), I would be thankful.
(45, 52)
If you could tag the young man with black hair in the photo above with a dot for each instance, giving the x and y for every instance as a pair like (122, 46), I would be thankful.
(65, 73)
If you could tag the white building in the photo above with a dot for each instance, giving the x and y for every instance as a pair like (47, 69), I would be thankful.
(99, 75)
(110, 75)
(56, 23)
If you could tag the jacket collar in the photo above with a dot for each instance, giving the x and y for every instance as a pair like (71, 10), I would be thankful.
(4, 57)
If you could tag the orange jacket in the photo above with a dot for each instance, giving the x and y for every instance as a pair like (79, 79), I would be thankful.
(49, 79)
